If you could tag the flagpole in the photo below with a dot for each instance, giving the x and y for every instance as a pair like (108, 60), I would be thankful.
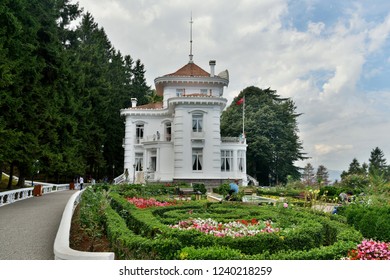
(243, 118)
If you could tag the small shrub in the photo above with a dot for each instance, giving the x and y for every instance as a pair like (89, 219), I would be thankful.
(200, 188)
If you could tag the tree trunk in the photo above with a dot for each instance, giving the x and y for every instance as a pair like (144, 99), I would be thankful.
(22, 177)
(1, 171)
(11, 174)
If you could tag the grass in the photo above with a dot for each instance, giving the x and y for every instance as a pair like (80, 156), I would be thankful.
(4, 183)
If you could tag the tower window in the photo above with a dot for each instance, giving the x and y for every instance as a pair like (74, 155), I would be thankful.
(180, 91)
(197, 122)
(139, 132)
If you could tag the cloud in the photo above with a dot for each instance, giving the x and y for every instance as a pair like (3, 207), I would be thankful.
(318, 53)
(323, 149)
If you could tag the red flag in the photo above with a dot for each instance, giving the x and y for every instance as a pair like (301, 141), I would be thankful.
(239, 102)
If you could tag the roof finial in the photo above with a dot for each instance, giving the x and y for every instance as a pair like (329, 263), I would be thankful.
(191, 55)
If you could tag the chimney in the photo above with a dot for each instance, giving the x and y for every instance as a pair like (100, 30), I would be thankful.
(134, 102)
(212, 68)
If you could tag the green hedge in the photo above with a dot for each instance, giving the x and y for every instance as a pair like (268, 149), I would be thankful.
(306, 231)
(333, 252)
(372, 221)
(129, 245)
(137, 190)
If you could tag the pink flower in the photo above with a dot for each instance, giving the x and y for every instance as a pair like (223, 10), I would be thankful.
(285, 205)
(371, 250)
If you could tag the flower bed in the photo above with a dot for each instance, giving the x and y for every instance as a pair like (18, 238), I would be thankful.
(370, 250)
(292, 234)
(146, 203)
(240, 228)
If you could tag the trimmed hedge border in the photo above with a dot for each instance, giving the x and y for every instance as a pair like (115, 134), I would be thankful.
(145, 234)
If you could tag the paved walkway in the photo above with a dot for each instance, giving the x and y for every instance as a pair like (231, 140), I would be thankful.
(28, 227)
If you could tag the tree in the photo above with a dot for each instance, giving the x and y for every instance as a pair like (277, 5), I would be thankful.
(61, 90)
(271, 132)
(322, 176)
(355, 169)
(308, 175)
(377, 162)
(28, 106)
(140, 88)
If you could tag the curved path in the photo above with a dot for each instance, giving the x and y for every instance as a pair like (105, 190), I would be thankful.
(28, 228)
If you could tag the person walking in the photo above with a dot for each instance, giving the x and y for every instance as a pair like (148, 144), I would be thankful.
(81, 181)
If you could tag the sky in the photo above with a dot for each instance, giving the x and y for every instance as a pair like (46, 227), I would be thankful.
(332, 58)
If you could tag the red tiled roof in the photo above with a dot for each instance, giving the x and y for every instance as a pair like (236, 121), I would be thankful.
(190, 70)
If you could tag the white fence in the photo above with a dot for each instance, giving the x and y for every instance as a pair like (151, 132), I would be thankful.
(12, 196)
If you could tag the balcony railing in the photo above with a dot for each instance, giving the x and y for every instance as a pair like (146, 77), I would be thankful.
(154, 138)
(233, 140)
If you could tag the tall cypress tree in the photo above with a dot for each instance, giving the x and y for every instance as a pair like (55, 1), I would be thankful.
(61, 91)
(140, 89)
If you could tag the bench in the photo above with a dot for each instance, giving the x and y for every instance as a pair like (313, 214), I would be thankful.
(185, 192)
(249, 191)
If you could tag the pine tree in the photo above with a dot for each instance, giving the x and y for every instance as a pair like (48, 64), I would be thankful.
(377, 162)
(308, 175)
(140, 88)
(322, 176)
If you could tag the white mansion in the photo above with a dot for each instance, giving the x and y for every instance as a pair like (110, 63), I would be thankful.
(179, 139)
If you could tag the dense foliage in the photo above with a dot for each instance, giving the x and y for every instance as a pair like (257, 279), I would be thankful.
(271, 131)
(61, 90)
(371, 220)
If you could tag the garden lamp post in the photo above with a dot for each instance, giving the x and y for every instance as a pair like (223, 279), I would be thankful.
(133, 173)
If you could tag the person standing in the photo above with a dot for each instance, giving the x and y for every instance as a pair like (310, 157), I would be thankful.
(81, 181)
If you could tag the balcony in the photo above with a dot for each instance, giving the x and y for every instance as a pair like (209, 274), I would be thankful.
(239, 140)
(154, 138)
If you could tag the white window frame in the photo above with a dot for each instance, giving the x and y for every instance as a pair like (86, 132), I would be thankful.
(226, 160)
(241, 160)
(139, 161)
(197, 159)
(139, 132)
(197, 122)
(180, 92)
(168, 128)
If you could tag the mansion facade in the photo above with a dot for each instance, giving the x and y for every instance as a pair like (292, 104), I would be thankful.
(179, 139)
